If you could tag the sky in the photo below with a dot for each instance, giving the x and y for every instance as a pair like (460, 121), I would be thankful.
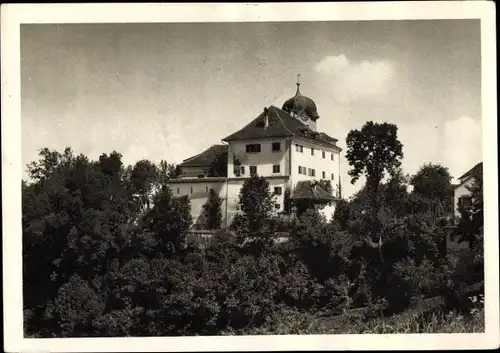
(169, 91)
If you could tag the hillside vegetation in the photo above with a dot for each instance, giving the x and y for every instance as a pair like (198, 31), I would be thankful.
(106, 253)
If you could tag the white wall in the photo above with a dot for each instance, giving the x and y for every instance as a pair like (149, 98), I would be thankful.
(316, 161)
(198, 190)
(264, 160)
(461, 190)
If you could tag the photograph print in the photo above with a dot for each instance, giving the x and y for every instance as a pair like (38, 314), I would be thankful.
(252, 178)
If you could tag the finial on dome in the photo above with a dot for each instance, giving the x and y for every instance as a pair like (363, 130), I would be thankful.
(298, 84)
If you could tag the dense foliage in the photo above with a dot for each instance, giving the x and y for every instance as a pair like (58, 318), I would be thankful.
(105, 253)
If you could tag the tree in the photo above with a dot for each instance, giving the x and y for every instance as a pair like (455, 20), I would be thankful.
(212, 209)
(257, 203)
(374, 151)
(432, 183)
(326, 185)
(218, 167)
(143, 177)
(342, 213)
(50, 160)
(167, 171)
(169, 220)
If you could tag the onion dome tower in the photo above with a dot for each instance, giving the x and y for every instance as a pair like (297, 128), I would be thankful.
(302, 108)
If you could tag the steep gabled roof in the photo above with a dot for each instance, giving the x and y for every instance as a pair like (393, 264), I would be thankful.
(304, 190)
(280, 124)
(205, 158)
(478, 168)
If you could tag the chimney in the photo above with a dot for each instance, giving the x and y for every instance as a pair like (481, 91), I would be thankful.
(266, 119)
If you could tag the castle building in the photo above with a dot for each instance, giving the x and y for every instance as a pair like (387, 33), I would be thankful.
(282, 145)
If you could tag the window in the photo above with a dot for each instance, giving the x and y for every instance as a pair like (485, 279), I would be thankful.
(465, 201)
(311, 172)
(177, 190)
(324, 175)
(323, 154)
(242, 170)
(276, 168)
(332, 176)
(312, 151)
(302, 170)
(299, 148)
(277, 190)
(206, 188)
(277, 206)
(253, 170)
(253, 148)
(191, 189)
(332, 157)
(276, 146)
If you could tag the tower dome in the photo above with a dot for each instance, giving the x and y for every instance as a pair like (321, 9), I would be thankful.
(300, 105)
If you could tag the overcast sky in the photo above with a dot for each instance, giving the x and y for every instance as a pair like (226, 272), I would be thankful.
(168, 91)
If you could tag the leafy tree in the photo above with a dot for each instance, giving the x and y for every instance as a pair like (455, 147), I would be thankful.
(374, 151)
(326, 185)
(342, 214)
(167, 171)
(144, 177)
(218, 167)
(432, 183)
(48, 163)
(212, 209)
(169, 219)
(256, 202)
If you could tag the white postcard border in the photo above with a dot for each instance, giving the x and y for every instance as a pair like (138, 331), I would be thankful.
(14, 15)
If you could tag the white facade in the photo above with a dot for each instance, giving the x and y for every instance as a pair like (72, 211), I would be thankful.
(322, 161)
(268, 162)
(279, 167)
(460, 192)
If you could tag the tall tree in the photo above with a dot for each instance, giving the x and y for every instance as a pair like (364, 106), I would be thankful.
(218, 167)
(432, 183)
(256, 203)
(373, 152)
(213, 211)
(167, 171)
(169, 219)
